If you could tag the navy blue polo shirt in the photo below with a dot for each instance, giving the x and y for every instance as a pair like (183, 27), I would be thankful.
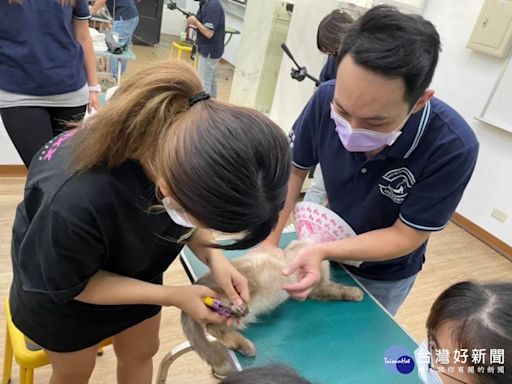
(39, 54)
(419, 179)
(124, 9)
(329, 69)
(211, 15)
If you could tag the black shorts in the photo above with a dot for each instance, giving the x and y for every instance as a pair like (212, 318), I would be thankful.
(74, 325)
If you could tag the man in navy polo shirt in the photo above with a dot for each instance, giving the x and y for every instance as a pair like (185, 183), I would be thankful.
(395, 159)
(210, 23)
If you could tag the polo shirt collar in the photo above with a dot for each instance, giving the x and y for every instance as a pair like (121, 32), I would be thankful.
(411, 135)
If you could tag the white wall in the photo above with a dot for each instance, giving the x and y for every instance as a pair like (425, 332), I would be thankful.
(291, 96)
(464, 80)
(249, 65)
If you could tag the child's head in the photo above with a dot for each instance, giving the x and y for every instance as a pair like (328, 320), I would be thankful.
(331, 31)
(225, 166)
(472, 316)
(272, 374)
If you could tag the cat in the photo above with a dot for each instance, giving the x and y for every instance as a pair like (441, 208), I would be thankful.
(263, 270)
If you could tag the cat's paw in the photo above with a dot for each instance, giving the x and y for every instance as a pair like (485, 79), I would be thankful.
(354, 294)
(223, 371)
(247, 348)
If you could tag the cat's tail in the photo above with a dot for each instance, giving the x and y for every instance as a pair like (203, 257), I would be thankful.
(211, 352)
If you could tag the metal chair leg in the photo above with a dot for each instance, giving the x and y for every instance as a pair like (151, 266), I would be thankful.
(170, 358)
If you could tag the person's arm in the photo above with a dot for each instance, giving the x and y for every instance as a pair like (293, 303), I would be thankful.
(83, 37)
(232, 282)
(427, 208)
(378, 245)
(98, 4)
(106, 288)
(207, 32)
(297, 177)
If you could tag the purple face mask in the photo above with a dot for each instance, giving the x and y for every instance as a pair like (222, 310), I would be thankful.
(363, 140)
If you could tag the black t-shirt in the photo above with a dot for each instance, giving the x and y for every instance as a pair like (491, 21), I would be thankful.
(70, 225)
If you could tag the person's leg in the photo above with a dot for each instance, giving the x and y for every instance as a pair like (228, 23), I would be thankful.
(124, 30)
(215, 67)
(391, 294)
(72, 367)
(29, 129)
(316, 191)
(62, 116)
(208, 74)
(135, 348)
(202, 69)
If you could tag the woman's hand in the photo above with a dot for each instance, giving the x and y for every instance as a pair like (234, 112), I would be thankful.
(94, 101)
(190, 300)
(232, 282)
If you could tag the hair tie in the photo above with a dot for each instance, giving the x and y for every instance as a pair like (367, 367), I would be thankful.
(199, 97)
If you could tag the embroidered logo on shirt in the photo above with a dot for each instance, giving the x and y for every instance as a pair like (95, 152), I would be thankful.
(51, 147)
(398, 183)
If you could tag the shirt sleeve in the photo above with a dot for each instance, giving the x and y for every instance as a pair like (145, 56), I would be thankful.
(70, 250)
(211, 17)
(323, 73)
(81, 10)
(433, 199)
(303, 136)
(328, 70)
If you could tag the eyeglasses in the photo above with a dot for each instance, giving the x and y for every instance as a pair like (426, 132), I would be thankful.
(431, 347)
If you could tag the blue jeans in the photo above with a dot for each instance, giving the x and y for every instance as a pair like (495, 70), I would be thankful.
(208, 74)
(124, 29)
(391, 294)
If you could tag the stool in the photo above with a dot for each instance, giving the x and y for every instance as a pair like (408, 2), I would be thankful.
(19, 347)
(182, 47)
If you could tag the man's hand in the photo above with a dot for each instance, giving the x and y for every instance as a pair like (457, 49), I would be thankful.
(307, 265)
(192, 20)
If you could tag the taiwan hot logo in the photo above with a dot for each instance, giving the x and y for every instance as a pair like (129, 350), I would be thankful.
(398, 360)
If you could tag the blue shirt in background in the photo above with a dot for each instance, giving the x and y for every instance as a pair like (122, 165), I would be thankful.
(211, 15)
(329, 69)
(420, 179)
(39, 54)
(124, 9)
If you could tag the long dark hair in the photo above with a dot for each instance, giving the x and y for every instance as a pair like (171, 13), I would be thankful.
(480, 315)
(227, 166)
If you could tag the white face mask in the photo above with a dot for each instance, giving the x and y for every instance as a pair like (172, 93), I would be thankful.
(180, 219)
(422, 358)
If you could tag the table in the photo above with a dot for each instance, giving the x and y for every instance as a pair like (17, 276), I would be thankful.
(126, 55)
(327, 342)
